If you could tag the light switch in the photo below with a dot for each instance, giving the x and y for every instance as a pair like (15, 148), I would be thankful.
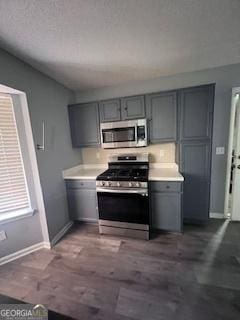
(97, 155)
(3, 235)
(220, 150)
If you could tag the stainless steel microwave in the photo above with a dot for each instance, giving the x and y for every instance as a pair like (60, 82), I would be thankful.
(124, 134)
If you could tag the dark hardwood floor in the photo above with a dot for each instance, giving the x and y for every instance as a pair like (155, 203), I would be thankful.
(87, 276)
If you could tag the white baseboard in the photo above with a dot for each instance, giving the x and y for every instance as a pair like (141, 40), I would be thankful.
(47, 245)
(37, 246)
(61, 233)
(217, 215)
(89, 220)
(24, 252)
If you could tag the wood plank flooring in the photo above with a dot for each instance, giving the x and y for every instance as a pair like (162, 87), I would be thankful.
(87, 276)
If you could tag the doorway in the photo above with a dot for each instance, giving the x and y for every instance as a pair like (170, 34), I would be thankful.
(232, 194)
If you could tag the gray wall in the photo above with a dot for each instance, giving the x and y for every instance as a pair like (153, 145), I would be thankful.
(224, 77)
(47, 100)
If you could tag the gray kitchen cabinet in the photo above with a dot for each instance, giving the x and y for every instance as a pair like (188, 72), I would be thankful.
(196, 112)
(162, 113)
(133, 108)
(166, 206)
(195, 141)
(195, 166)
(82, 200)
(84, 124)
(196, 201)
(110, 110)
(195, 159)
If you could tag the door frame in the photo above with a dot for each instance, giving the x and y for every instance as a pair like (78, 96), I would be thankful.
(235, 91)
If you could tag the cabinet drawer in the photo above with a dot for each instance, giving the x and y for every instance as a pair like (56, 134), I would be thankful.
(80, 184)
(166, 186)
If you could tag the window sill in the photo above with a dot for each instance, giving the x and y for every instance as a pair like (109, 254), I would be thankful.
(13, 216)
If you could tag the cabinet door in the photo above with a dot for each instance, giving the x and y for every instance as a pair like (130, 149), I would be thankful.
(110, 110)
(196, 111)
(162, 112)
(84, 124)
(82, 204)
(133, 108)
(195, 166)
(166, 211)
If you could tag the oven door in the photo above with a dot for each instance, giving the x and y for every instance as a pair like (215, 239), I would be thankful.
(123, 206)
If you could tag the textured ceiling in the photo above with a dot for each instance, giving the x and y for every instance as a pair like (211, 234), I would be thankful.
(95, 43)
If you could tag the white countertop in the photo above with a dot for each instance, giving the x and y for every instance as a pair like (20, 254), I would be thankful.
(164, 172)
(157, 172)
(84, 172)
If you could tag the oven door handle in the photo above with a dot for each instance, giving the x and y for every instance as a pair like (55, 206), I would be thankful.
(142, 192)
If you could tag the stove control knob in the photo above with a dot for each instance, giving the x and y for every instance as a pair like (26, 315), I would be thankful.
(138, 184)
(103, 183)
(118, 184)
(130, 184)
(109, 184)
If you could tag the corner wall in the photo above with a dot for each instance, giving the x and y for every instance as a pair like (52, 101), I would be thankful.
(47, 101)
(225, 78)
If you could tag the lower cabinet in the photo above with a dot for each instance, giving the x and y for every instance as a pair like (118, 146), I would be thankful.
(195, 165)
(82, 200)
(165, 203)
(166, 206)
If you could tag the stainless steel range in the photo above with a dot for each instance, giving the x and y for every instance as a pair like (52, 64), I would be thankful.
(122, 193)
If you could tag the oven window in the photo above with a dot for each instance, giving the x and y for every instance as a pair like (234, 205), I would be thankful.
(123, 207)
(118, 135)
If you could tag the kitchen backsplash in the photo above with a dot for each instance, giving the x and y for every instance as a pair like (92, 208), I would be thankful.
(164, 152)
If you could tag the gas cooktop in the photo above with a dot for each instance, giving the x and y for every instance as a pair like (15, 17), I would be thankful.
(124, 175)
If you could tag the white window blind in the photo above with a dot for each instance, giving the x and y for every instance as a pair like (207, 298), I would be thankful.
(13, 187)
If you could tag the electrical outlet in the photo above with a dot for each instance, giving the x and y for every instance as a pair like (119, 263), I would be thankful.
(220, 150)
(3, 235)
(161, 153)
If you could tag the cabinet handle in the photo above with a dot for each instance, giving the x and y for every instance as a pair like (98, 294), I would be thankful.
(42, 145)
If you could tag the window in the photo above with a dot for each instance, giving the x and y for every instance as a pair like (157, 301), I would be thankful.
(14, 196)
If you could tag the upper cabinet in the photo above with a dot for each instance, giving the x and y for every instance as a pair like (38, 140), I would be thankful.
(84, 124)
(110, 110)
(122, 109)
(196, 111)
(182, 115)
(133, 108)
(162, 112)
